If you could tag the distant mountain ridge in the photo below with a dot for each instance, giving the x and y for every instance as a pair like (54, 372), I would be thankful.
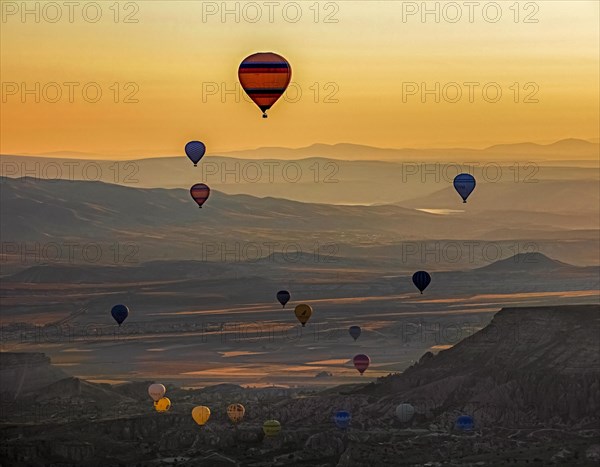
(320, 173)
(354, 151)
(529, 262)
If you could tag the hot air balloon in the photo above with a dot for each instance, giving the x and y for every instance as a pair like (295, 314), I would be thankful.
(200, 193)
(156, 391)
(271, 428)
(354, 332)
(342, 419)
(265, 77)
(361, 362)
(119, 313)
(405, 412)
(464, 184)
(163, 404)
(464, 423)
(283, 296)
(195, 150)
(236, 412)
(200, 414)
(421, 279)
(303, 313)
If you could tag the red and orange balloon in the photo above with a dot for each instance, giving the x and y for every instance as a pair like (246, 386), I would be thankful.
(265, 77)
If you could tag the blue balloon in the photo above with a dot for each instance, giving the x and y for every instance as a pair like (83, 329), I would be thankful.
(421, 279)
(354, 331)
(283, 296)
(195, 150)
(464, 184)
(464, 423)
(119, 313)
(342, 419)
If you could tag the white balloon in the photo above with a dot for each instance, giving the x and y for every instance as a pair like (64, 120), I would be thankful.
(156, 391)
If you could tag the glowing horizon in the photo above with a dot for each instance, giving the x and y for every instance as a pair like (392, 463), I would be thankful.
(368, 60)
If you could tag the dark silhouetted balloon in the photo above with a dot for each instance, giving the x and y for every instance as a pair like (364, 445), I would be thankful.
(200, 193)
(405, 412)
(195, 150)
(464, 184)
(354, 331)
(421, 279)
(119, 313)
(265, 77)
(361, 362)
(342, 419)
(283, 296)
(464, 423)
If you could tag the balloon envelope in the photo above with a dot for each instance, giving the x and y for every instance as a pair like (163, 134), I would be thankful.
(464, 184)
(405, 412)
(236, 412)
(465, 423)
(361, 362)
(201, 414)
(265, 77)
(156, 391)
(119, 313)
(342, 419)
(421, 279)
(283, 296)
(354, 332)
(303, 313)
(271, 428)
(200, 193)
(195, 150)
(163, 404)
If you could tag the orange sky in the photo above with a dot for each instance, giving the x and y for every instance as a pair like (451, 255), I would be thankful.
(373, 52)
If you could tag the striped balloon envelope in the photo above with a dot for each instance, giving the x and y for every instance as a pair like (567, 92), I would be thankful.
(361, 362)
(265, 77)
(200, 193)
(271, 428)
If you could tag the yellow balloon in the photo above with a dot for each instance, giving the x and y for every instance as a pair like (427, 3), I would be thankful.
(236, 412)
(163, 404)
(201, 414)
(271, 428)
(303, 313)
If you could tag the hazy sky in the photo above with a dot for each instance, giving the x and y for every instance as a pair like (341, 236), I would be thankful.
(365, 71)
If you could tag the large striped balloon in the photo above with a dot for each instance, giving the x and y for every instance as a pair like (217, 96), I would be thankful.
(361, 362)
(265, 77)
(200, 193)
